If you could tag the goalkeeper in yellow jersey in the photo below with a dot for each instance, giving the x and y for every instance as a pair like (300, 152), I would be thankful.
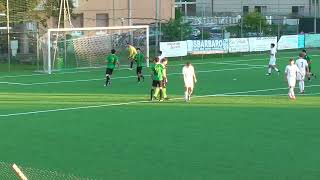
(132, 53)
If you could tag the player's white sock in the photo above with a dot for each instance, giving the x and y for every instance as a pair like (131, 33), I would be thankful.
(186, 95)
(302, 86)
(276, 69)
(292, 92)
(289, 93)
(189, 95)
(269, 70)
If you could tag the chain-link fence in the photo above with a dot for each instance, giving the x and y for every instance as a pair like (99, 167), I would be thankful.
(201, 20)
(242, 24)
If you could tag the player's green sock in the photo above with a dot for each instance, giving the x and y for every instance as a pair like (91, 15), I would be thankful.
(151, 94)
(164, 92)
(156, 93)
(107, 80)
(161, 94)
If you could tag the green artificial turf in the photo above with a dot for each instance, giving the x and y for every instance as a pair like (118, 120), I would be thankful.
(239, 124)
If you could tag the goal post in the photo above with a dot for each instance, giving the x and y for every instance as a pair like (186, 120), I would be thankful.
(81, 48)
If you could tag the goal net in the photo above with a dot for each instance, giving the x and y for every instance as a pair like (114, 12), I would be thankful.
(83, 48)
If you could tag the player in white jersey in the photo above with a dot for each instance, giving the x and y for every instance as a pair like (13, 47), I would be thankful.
(303, 67)
(273, 60)
(190, 79)
(291, 72)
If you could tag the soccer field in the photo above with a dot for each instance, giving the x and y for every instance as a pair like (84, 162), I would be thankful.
(239, 124)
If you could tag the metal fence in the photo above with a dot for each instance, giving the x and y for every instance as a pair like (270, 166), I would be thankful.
(207, 20)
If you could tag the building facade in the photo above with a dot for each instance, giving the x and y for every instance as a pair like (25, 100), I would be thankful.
(266, 7)
(98, 13)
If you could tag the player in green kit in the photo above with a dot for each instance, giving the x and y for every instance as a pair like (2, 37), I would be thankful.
(308, 58)
(158, 79)
(112, 61)
(139, 58)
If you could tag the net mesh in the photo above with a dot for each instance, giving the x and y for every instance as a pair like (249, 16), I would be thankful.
(7, 173)
(74, 49)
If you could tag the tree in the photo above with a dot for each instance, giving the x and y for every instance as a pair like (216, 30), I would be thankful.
(52, 8)
(176, 29)
(23, 11)
(2, 7)
(253, 24)
(20, 10)
(26, 10)
(254, 21)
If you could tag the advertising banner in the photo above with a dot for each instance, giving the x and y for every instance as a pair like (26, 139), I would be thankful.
(261, 43)
(301, 41)
(174, 49)
(312, 40)
(239, 45)
(288, 42)
(207, 46)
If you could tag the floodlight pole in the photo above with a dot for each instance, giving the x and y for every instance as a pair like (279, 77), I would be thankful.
(8, 36)
(315, 16)
(113, 13)
(279, 20)
(160, 30)
(130, 20)
(129, 13)
(157, 27)
(242, 15)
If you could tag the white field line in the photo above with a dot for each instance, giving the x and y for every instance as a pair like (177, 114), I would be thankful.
(74, 108)
(253, 91)
(126, 77)
(240, 93)
(14, 83)
(84, 71)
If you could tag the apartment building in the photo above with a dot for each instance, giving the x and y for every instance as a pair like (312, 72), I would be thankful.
(103, 13)
(266, 7)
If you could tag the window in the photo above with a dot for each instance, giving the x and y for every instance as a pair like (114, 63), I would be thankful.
(75, 3)
(102, 20)
(257, 9)
(245, 9)
(297, 10)
(77, 20)
(260, 9)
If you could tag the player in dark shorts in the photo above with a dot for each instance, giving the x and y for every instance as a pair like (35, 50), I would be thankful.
(140, 59)
(152, 65)
(157, 82)
(112, 61)
(308, 58)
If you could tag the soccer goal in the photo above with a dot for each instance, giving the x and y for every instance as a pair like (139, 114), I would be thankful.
(85, 48)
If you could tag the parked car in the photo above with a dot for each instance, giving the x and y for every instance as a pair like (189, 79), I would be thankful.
(216, 33)
(195, 32)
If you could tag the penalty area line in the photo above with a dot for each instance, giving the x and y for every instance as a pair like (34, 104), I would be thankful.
(128, 77)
